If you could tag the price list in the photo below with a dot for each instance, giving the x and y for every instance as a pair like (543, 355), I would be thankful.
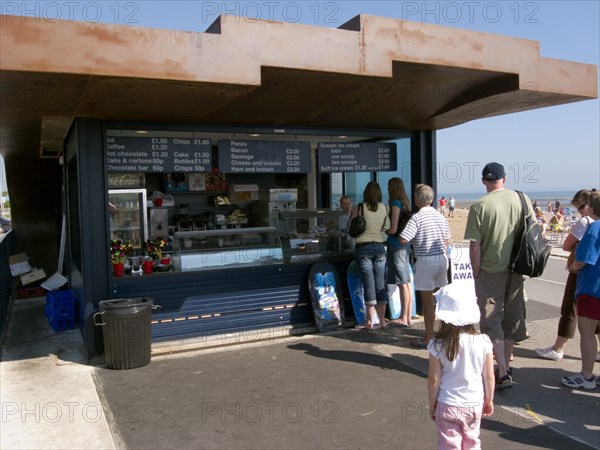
(158, 154)
(264, 157)
(356, 157)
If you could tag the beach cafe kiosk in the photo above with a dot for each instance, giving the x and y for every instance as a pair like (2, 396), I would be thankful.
(218, 158)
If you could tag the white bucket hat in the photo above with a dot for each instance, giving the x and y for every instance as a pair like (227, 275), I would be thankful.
(457, 304)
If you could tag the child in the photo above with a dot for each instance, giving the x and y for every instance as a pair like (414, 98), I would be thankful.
(461, 370)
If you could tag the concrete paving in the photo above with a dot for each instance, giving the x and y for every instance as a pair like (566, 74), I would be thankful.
(48, 395)
(350, 389)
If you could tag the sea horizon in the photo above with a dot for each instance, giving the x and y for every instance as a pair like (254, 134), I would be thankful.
(542, 197)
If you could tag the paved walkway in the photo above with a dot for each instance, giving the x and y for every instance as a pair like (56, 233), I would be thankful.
(351, 389)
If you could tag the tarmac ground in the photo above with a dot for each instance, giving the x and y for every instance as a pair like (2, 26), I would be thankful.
(347, 389)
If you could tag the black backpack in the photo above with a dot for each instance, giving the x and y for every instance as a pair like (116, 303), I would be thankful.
(530, 251)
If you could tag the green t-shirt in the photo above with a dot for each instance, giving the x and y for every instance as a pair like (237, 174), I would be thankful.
(494, 221)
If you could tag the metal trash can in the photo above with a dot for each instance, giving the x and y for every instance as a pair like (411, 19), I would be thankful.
(126, 331)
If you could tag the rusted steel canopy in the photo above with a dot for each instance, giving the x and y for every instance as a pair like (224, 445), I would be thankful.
(372, 72)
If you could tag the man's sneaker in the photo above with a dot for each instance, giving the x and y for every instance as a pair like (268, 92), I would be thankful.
(579, 381)
(504, 382)
(549, 353)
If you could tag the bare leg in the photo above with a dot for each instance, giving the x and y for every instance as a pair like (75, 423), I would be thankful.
(588, 345)
(428, 314)
(500, 353)
(559, 344)
(370, 316)
(406, 302)
(381, 313)
(508, 351)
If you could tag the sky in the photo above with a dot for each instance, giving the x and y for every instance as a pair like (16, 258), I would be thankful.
(549, 149)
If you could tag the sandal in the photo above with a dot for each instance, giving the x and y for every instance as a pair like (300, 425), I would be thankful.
(509, 372)
(504, 382)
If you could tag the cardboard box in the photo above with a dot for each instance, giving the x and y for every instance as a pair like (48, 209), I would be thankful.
(19, 264)
(34, 275)
(242, 195)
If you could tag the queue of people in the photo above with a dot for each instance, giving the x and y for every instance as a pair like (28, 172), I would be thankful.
(425, 237)
(460, 359)
(428, 233)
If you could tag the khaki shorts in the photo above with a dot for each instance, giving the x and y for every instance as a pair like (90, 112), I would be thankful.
(502, 305)
(431, 272)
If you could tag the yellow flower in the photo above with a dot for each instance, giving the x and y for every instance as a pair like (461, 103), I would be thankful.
(154, 247)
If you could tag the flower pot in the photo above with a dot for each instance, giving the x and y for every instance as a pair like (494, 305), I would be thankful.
(165, 260)
(147, 267)
(118, 269)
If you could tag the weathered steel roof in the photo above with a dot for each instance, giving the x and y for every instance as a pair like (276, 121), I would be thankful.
(372, 72)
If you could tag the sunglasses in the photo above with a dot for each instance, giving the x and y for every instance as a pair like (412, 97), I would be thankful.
(580, 207)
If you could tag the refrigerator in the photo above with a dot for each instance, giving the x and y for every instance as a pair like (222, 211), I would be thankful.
(279, 200)
(127, 216)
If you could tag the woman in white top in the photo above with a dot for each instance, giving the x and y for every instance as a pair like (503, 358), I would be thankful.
(370, 254)
(567, 324)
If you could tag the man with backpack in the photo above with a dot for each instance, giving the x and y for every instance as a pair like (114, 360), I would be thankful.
(493, 224)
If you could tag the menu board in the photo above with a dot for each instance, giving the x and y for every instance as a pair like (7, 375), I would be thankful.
(356, 157)
(158, 154)
(264, 157)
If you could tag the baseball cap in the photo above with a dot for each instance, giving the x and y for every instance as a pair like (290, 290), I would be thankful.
(493, 171)
(457, 304)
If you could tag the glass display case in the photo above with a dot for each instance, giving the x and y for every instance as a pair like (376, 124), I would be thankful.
(127, 216)
(311, 234)
(237, 247)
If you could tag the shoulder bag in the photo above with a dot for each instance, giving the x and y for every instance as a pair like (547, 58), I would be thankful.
(358, 225)
(530, 252)
(403, 218)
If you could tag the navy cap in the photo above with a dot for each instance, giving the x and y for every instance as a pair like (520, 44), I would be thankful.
(493, 171)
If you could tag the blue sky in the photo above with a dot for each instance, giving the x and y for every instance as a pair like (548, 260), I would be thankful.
(555, 148)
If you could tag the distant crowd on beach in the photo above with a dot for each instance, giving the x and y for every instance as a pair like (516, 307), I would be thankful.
(445, 203)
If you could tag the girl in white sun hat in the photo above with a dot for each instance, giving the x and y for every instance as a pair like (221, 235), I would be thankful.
(461, 370)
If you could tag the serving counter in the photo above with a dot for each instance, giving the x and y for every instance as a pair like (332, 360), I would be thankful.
(312, 235)
(225, 248)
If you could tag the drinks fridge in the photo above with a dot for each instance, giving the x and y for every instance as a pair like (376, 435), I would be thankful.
(128, 218)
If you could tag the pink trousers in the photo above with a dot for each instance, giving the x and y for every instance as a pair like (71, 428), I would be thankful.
(458, 427)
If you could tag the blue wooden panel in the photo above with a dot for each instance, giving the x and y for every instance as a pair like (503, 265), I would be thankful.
(237, 324)
(196, 304)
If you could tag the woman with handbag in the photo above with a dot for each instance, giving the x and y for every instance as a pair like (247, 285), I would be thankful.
(370, 254)
(398, 270)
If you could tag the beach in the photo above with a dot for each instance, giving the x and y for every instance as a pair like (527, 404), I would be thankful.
(458, 223)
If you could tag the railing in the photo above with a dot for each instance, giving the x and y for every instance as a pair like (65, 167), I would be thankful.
(7, 248)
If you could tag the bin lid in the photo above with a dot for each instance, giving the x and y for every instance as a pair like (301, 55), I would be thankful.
(125, 305)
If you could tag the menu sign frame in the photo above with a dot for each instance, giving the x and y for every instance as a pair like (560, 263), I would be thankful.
(256, 156)
(357, 157)
(157, 154)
